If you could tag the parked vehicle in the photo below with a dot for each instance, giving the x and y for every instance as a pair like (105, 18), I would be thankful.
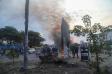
(84, 52)
(31, 50)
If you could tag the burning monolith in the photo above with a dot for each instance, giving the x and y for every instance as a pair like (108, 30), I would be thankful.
(65, 37)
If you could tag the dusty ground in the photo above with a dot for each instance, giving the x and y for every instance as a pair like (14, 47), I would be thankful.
(34, 68)
(60, 69)
(48, 68)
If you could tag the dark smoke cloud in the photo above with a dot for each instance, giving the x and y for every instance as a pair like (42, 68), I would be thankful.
(49, 14)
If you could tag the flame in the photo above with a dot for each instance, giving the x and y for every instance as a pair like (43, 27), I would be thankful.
(57, 28)
(62, 53)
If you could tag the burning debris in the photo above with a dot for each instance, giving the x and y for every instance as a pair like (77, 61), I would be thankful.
(65, 39)
(61, 39)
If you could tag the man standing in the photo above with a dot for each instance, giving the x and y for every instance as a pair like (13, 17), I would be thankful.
(74, 48)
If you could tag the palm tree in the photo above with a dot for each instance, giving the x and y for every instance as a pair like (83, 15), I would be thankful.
(26, 34)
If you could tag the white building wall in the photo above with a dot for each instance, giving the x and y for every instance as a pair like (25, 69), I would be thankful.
(109, 35)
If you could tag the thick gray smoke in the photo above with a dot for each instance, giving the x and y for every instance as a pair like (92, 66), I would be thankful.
(49, 14)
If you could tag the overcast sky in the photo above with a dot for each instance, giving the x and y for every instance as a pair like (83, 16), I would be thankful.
(12, 12)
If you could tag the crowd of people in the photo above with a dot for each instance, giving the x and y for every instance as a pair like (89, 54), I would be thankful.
(76, 49)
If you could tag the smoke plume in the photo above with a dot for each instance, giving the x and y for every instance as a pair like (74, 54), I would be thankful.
(47, 12)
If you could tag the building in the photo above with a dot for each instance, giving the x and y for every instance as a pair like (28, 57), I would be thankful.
(108, 36)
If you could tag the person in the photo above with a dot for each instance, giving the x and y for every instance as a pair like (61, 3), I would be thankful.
(46, 50)
(55, 50)
(74, 48)
(45, 53)
(76, 51)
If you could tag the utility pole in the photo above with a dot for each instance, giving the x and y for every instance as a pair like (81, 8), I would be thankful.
(26, 34)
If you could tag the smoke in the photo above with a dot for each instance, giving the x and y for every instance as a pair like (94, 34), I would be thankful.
(47, 12)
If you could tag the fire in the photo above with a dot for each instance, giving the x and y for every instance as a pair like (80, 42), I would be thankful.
(57, 28)
(62, 53)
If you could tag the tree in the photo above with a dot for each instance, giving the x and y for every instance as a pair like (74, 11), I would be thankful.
(26, 34)
(108, 47)
(35, 38)
(95, 37)
(9, 34)
(12, 36)
(78, 30)
(12, 54)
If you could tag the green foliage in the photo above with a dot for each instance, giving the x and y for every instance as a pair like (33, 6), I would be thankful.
(95, 37)
(78, 30)
(87, 21)
(11, 35)
(12, 54)
(35, 38)
(95, 33)
(108, 47)
(1, 62)
(105, 70)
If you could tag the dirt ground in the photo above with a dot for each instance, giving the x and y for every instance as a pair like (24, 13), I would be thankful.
(60, 69)
(48, 68)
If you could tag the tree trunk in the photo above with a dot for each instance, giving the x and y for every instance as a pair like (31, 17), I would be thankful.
(26, 34)
(13, 61)
(97, 64)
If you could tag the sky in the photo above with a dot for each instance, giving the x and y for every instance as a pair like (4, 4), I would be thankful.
(99, 10)
(12, 13)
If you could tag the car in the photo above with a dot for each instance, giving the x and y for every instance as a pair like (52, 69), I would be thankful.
(31, 50)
